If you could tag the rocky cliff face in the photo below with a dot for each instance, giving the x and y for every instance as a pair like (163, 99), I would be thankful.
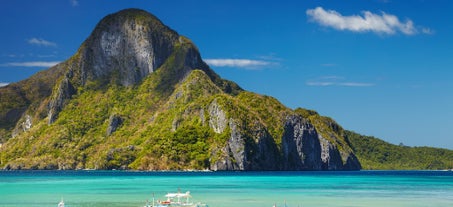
(253, 148)
(115, 122)
(130, 45)
(137, 95)
(300, 145)
(63, 93)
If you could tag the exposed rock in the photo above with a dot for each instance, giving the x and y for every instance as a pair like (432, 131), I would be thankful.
(28, 123)
(262, 150)
(115, 122)
(217, 117)
(63, 93)
(24, 125)
(352, 162)
(129, 44)
(202, 117)
(231, 157)
(300, 145)
(248, 149)
(330, 156)
(305, 149)
(175, 124)
(302, 148)
(236, 147)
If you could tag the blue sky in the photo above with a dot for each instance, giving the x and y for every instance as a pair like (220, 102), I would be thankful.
(378, 67)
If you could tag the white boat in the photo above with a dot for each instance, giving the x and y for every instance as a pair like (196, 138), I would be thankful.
(61, 204)
(175, 199)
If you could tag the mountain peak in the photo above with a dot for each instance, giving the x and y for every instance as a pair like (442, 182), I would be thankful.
(132, 18)
(123, 49)
(132, 13)
(130, 43)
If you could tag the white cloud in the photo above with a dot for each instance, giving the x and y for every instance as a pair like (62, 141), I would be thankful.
(356, 84)
(319, 83)
(31, 64)
(336, 81)
(369, 22)
(41, 42)
(3, 84)
(239, 63)
(74, 2)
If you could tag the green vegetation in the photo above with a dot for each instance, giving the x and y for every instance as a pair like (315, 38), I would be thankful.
(79, 134)
(268, 110)
(162, 129)
(25, 96)
(375, 154)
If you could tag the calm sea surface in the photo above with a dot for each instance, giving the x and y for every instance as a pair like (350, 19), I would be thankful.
(228, 189)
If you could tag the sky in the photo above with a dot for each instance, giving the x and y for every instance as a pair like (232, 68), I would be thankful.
(381, 68)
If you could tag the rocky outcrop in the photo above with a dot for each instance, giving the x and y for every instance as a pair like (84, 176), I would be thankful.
(330, 156)
(300, 145)
(24, 125)
(217, 117)
(352, 162)
(63, 93)
(252, 150)
(232, 156)
(263, 153)
(129, 44)
(115, 122)
(303, 148)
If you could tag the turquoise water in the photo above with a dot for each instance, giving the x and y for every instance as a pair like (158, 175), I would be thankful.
(228, 189)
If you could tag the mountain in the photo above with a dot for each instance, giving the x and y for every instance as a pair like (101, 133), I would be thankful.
(137, 95)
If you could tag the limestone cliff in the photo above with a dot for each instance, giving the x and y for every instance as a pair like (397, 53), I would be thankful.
(251, 147)
(129, 45)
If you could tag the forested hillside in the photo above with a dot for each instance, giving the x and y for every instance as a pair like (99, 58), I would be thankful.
(376, 154)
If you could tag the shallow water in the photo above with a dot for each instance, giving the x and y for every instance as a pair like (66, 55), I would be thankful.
(228, 189)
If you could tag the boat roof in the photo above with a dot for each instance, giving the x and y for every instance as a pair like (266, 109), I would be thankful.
(178, 195)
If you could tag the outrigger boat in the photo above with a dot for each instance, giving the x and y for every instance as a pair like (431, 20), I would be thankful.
(175, 199)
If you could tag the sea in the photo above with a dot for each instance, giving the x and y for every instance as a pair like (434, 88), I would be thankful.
(228, 189)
